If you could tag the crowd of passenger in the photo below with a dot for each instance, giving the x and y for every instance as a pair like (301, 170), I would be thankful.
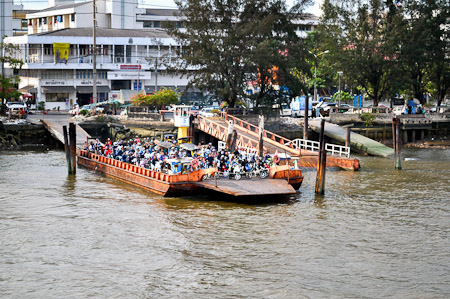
(148, 153)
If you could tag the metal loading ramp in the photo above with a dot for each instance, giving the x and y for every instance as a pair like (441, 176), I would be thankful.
(245, 187)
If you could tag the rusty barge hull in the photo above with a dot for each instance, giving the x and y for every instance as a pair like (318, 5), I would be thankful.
(281, 182)
(151, 184)
(157, 182)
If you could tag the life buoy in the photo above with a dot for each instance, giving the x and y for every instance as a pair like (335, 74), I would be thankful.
(194, 163)
(276, 159)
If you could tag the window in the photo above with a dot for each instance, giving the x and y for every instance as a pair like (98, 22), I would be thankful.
(147, 24)
(156, 24)
(72, 17)
(86, 74)
(84, 50)
(56, 97)
(33, 51)
(48, 50)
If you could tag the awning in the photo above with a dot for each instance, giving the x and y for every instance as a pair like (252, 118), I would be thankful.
(57, 89)
(28, 89)
(89, 89)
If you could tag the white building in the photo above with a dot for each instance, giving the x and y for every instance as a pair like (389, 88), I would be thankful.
(132, 52)
(126, 59)
(8, 21)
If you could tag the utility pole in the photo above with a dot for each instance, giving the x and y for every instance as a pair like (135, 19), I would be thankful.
(94, 60)
(2, 52)
(315, 71)
(156, 74)
(139, 73)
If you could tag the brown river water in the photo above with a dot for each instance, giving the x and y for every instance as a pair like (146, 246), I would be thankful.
(376, 233)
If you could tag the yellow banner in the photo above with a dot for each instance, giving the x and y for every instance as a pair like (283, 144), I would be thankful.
(61, 51)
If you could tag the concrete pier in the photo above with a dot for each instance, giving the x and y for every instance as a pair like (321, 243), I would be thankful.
(357, 141)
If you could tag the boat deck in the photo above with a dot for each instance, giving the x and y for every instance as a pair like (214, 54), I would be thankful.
(249, 187)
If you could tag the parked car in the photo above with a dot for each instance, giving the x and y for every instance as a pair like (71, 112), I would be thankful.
(323, 108)
(206, 112)
(194, 110)
(14, 109)
(398, 110)
(16, 105)
(285, 110)
(442, 109)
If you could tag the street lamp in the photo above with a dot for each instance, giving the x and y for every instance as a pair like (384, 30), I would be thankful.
(315, 71)
(339, 75)
(306, 113)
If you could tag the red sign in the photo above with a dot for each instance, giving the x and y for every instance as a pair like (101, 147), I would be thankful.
(130, 67)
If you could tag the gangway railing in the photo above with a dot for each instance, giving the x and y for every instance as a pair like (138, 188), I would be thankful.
(251, 128)
(313, 146)
(221, 132)
(293, 146)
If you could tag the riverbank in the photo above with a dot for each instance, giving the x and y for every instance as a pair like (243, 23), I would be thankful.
(31, 132)
(440, 143)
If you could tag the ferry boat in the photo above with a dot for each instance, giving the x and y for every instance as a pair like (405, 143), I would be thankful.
(283, 180)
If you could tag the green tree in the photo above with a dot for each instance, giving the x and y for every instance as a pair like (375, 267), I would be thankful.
(414, 54)
(438, 70)
(8, 84)
(159, 99)
(229, 43)
(325, 71)
(277, 49)
(363, 43)
(425, 47)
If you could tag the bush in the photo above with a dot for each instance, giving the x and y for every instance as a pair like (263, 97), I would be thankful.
(162, 98)
(41, 106)
(367, 118)
(84, 112)
(345, 97)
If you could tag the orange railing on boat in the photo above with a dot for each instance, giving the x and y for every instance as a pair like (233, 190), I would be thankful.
(169, 178)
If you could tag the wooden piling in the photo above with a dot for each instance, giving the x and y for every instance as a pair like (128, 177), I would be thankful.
(305, 119)
(233, 141)
(73, 147)
(261, 134)
(397, 141)
(322, 163)
(67, 150)
(347, 134)
(230, 134)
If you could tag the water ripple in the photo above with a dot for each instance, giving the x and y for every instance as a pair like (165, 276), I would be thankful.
(375, 233)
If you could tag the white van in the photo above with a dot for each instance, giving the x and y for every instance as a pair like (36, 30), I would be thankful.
(285, 110)
(398, 110)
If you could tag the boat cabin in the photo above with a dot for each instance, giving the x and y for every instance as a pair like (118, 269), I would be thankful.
(177, 166)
